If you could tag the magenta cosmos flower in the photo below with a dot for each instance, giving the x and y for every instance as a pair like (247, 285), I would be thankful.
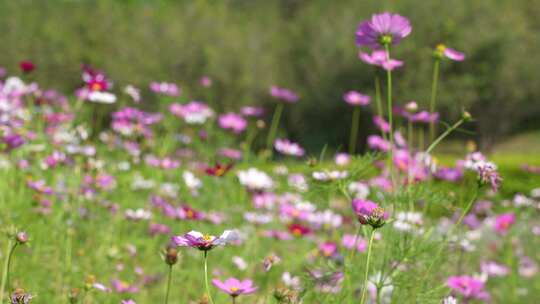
(356, 98)
(383, 29)
(284, 94)
(204, 242)
(442, 51)
(503, 222)
(233, 122)
(380, 58)
(165, 88)
(468, 287)
(287, 147)
(235, 287)
(369, 213)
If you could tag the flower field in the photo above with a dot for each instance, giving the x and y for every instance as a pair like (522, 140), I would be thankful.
(108, 198)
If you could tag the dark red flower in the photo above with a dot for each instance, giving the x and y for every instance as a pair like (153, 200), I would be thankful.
(27, 66)
(299, 229)
(219, 169)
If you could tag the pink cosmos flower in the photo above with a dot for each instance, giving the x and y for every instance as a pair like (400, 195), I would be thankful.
(205, 81)
(165, 88)
(328, 249)
(282, 94)
(487, 174)
(356, 98)
(194, 112)
(252, 111)
(204, 242)
(235, 287)
(342, 159)
(95, 80)
(348, 241)
(503, 222)
(232, 121)
(382, 124)
(382, 29)
(380, 58)
(442, 51)
(369, 213)
(378, 143)
(288, 147)
(468, 287)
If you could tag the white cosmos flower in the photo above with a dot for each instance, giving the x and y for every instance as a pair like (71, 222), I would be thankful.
(102, 97)
(254, 179)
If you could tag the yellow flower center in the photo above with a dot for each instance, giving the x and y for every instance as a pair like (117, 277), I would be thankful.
(207, 237)
(234, 289)
(441, 47)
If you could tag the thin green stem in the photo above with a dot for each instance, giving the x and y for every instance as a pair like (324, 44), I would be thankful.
(390, 114)
(442, 136)
(252, 132)
(349, 261)
(274, 126)
(354, 129)
(169, 276)
(433, 99)
(206, 277)
(366, 274)
(378, 101)
(7, 264)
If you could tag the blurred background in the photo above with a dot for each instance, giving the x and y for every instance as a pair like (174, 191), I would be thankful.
(246, 46)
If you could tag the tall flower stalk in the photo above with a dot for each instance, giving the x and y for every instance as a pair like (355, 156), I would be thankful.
(432, 100)
(206, 277)
(390, 114)
(366, 273)
(274, 125)
(14, 240)
(354, 130)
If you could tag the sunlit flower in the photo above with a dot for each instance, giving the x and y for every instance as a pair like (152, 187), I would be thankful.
(235, 287)
(468, 287)
(204, 242)
(442, 51)
(382, 29)
(369, 213)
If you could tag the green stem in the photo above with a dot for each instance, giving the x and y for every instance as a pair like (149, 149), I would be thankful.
(354, 129)
(378, 101)
(169, 276)
(349, 260)
(448, 131)
(274, 126)
(206, 277)
(252, 132)
(364, 287)
(7, 264)
(432, 101)
(390, 114)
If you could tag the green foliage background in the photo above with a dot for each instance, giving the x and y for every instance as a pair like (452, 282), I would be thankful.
(248, 45)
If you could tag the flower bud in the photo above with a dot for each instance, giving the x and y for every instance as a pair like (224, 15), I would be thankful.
(411, 107)
(466, 116)
(21, 237)
(171, 256)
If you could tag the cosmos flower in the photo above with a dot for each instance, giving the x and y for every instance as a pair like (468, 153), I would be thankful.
(355, 98)
(287, 147)
(233, 122)
(378, 143)
(27, 66)
(252, 111)
(165, 88)
(205, 81)
(382, 124)
(369, 213)
(235, 287)
(382, 29)
(503, 222)
(326, 176)
(468, 287)
(194, 112)
(380, 58)
(19, 296)
(219, 169)
(204, 242)
(442, 51)
(282, 94)
(13, 141)
(95, 80)
(487, 174)
(255, 180)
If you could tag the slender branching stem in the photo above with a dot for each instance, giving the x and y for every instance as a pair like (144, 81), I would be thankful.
(354, 129)
(366, 273)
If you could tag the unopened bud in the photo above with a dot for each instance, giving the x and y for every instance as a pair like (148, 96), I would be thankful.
(466, 116)
(21, 237)
(411, 107)
(260, 124)
(171, 256)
